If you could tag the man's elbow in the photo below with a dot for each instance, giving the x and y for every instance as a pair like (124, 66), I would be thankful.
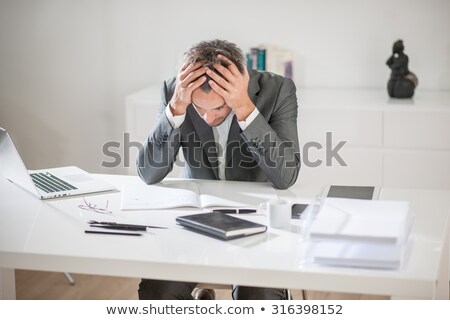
(289, 179)
(145, 172)
(147, 177)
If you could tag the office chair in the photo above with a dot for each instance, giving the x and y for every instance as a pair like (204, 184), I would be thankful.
(69, 278)
(226, 286)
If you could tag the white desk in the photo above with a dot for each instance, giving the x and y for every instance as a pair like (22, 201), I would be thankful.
(49, 235)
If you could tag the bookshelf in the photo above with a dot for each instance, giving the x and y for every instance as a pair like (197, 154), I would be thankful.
(271, 58)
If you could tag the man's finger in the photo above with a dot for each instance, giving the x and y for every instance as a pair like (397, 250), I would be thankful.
(191, 67)
(197, 83)
(218, 79)
(193, 76)
(183, 67)
(232, 67)
(218, 89)
(225, 72)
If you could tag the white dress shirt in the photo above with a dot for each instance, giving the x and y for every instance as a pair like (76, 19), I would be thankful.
(220, 133)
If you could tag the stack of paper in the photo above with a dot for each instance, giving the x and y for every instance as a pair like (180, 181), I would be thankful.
(359, 233)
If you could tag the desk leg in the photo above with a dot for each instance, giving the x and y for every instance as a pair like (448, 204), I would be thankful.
(7, 284)
(408, 298)
(441, 288)
(442, 285)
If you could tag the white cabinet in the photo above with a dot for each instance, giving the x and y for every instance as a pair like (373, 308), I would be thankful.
(142, 109)
(416, 168)
(388, 142)
(360, 128)
(417, 129)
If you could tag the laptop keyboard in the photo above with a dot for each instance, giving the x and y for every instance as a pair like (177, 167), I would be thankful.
(49, 183)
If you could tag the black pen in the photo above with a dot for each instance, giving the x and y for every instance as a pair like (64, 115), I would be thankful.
(115, 224)
(114, 233)
(237, 211)
(119, 227)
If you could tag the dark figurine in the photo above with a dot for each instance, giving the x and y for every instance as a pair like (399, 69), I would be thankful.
(402, 82)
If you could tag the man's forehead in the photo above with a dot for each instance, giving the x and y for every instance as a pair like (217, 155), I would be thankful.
(207, 100)
(208, 107)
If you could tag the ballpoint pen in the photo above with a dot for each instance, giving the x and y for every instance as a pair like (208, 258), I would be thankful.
(122, 225)
(114, 233)
(237, 211)
(119, 227)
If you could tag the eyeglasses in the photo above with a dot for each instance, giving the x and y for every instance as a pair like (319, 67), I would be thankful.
(93, 207)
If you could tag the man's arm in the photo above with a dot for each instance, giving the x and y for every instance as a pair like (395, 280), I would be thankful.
(156, 158)
(274, 144)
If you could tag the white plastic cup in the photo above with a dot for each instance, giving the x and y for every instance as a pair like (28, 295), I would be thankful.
(278, 213)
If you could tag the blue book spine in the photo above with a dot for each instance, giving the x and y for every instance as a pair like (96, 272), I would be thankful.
(248, 60)
(261, 63)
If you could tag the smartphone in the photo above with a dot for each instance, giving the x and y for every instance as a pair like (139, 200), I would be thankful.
(352, 192)
(297, 210)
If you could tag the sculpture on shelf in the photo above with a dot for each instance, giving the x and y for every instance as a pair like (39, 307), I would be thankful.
(402, 82)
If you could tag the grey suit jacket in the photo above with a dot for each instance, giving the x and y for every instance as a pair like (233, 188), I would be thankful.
(267, 150)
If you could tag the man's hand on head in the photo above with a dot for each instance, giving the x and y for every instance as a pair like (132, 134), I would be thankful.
(189, 77)
(232, 87)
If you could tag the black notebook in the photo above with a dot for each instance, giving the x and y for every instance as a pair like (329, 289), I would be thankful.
(220, 225)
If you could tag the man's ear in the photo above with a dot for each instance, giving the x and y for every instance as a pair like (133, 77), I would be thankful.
(246, 74)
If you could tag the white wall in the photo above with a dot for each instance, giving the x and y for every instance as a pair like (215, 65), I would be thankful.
(66, 65)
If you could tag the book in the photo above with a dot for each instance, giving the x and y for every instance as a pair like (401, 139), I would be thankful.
(271, 58)
(358, 233)
(261, 61)
(359, 254)
(196, 193)
(254, 57)
(279, 60)
(373, 221)
(220, 225)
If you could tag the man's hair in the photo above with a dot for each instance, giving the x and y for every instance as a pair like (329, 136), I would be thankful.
(207, 51)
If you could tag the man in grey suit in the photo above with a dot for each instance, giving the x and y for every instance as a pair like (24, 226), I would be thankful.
(232, 124)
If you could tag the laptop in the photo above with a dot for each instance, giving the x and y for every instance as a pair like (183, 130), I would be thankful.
(46, 184)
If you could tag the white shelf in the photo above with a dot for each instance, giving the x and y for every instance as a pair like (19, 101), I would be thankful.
(389, 142)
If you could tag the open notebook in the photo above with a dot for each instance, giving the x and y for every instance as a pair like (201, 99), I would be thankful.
(196, 193)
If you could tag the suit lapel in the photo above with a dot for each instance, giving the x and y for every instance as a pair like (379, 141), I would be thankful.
(234, 136)
(253, 86)
(206, 135)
